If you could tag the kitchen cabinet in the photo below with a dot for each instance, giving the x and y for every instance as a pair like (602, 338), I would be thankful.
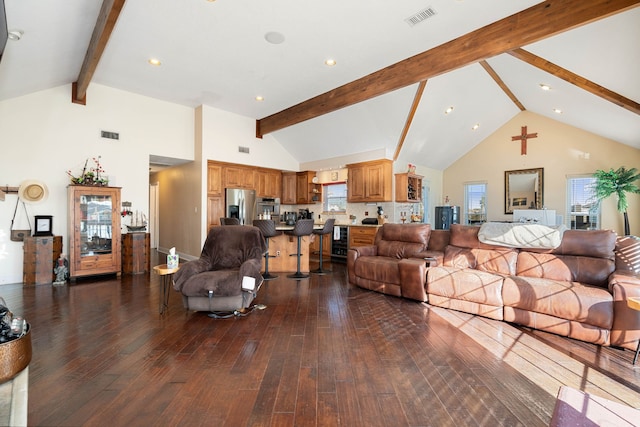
(308, 191)
(215, 211)
(268, 183)
(362, 235)
(93, 230)
(369, 181)
(408, 188)
(326, 245)
(239, 177)
(214, 179)
(288, 188)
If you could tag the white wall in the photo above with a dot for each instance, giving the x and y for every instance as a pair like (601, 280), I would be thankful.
(223, 132)
(42, 135)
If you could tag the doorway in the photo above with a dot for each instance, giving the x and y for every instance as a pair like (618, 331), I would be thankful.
(154, 193)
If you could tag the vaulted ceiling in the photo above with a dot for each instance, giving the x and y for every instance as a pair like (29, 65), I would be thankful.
(399, 65)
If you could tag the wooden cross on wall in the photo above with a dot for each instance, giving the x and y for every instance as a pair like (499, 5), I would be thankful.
(523, 139)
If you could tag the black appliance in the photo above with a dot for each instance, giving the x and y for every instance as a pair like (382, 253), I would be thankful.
(290, 218)
(340, 242)
(445, 216)
(305, 214)
(370, 221)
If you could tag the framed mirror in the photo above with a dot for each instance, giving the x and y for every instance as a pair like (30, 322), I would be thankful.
(523, 189)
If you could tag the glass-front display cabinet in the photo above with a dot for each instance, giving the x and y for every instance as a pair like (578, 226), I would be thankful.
(94, 230)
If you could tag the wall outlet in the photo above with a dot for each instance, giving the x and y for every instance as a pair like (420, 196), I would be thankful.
(277, 253)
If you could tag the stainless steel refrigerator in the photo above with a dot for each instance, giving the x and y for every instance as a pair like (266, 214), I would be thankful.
(241, 204)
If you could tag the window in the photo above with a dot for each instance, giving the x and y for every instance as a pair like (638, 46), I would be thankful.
(583, 209)
(335, 197)
(475, 206)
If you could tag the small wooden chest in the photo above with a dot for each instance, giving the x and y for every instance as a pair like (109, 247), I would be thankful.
(40, 254)
(135, 253)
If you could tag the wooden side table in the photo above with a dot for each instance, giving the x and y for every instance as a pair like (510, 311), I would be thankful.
(166, 277)
(634, 303)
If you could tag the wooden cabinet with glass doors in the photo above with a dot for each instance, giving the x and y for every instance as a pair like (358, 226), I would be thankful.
(94, 230)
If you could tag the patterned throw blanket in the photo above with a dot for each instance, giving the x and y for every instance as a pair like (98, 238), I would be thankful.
(518, 235)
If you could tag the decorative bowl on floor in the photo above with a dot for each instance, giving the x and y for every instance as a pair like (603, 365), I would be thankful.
(15, 355)
(136, 227)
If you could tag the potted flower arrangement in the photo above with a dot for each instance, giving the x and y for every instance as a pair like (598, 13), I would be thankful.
(92, 176)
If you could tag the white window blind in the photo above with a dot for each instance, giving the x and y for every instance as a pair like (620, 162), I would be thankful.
(475, 207)
(583, 209)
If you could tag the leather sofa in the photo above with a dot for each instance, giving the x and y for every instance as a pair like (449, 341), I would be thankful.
(578, 289)
(395, 263)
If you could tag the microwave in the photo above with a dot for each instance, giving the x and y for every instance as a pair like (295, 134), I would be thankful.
(268, 204)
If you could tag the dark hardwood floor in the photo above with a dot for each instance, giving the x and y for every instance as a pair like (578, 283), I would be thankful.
(322, 353)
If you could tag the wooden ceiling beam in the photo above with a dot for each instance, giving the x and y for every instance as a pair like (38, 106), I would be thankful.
(528, 26)
(502, 84)
(412, 113)
(575, 79)
(101, 32)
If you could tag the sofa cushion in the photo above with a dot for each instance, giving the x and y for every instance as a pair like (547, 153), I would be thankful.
(223, 283)
(378, 269)
(563, 299)
(593, 271)
(498, 260)
(589, 243)
(402, 240)
(465, 284)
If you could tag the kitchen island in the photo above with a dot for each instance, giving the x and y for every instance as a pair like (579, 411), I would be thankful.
(284, 247)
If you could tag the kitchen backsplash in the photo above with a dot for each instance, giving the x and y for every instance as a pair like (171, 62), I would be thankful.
(391, 210)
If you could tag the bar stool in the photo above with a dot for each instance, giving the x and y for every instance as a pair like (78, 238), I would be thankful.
(229, 221)
(303, 227)
(268, 229)
(328, 228)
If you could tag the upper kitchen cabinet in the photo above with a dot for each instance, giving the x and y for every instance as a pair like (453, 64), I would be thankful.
(408, 188)
(308, 190)
(214, 179)
(268, 183)
(370, 181)
(288, 188)
(239, 177)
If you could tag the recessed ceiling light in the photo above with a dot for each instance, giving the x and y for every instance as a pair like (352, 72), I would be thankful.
(557, 111)
(155, 62)
(259, 98)
(15, 35)
(274, 37)
(476, 126)
(448, 110)
(544, 86)
(330, 62)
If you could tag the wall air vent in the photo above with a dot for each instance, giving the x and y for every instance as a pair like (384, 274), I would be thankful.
(109, 135)
(423, 15)
(243, 149)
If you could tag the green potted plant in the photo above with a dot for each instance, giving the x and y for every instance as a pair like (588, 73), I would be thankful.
(618, 182)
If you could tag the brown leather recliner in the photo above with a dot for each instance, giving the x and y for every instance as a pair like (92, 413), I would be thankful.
(395, 263)
(214, 281)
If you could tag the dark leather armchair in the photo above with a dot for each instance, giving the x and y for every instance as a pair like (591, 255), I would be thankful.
(214, 281)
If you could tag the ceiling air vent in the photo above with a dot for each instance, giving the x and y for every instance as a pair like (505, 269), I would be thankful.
(243, 149)
(420, 16)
